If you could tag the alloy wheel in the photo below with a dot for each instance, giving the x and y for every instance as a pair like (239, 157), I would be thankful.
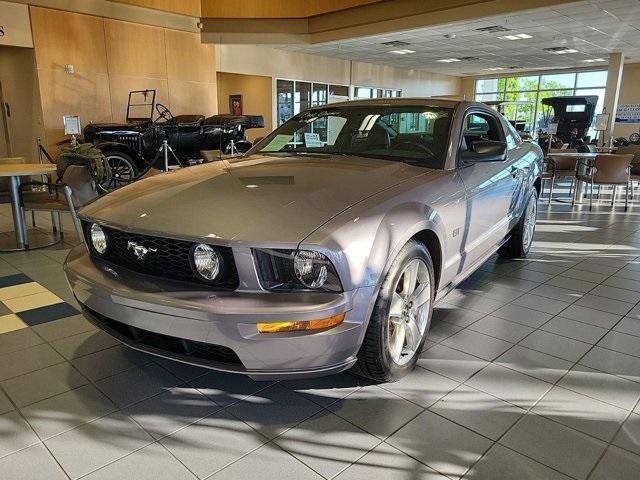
(409, 311)
(529, 226)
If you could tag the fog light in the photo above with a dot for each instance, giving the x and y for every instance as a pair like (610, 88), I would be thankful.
(98, 238)
(296, 326)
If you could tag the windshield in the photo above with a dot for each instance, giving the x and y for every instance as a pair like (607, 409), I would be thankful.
(412, 134)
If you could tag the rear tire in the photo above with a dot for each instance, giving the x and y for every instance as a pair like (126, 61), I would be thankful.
(519, 243)
(401, 317)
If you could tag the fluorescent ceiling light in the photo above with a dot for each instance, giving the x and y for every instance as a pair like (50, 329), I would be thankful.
(516, 36)
(403, 51)
(594, 60)
(560, 50)
(449, 60)
(493, 69)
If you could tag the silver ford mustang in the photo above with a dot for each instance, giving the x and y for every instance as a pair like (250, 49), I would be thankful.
(324, 248)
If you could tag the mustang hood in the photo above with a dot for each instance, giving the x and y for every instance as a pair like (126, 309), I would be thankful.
(260, 199)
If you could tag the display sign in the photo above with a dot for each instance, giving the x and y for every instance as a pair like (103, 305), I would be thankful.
(552, 129)
(602, 122)
(628, 113)
(312, 140)
(15, 27)
(71, 124)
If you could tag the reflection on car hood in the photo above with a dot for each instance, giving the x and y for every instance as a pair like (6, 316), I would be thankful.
(258, 199)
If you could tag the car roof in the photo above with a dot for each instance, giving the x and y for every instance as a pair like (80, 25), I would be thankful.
(400, 101)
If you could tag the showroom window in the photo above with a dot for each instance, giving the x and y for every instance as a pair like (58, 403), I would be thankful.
(293, 96)
(532, 89)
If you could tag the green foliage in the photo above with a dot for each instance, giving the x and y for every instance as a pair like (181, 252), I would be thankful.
(84, 154)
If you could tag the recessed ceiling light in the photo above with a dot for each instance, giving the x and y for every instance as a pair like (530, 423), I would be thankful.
(516, 36)
(494, 69)
(448, 60)
(594, 60)
(560, 50)
(403, 51)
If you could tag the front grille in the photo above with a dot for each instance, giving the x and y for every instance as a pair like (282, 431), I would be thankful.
(170, 260)
(165, 344)
(132, 141)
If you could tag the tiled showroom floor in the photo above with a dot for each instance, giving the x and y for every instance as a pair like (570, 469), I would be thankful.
(532, 370)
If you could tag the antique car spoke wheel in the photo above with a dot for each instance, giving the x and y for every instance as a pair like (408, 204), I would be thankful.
(123, 172)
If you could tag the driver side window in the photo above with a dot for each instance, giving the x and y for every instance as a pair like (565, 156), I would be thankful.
(480, 126)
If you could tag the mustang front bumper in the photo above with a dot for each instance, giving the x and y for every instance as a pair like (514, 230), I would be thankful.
(217, 329)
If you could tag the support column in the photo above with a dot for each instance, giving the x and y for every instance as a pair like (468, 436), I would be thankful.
(614, 79)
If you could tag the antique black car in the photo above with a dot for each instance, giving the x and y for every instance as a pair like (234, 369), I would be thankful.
(133, 147)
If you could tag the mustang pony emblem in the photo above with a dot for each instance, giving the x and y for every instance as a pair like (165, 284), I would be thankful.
(139, 251)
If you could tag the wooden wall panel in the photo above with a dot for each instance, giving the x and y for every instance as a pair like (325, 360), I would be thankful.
(188, 58)
(134, 49)
(192, 97)
(183, 7)
(62, 38)
(276, 8)
(121, 85)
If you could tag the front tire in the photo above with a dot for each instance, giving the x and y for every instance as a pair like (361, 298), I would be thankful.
(123, 170)
(401, 317)
(519, 243)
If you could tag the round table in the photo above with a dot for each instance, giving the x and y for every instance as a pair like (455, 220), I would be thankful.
(14, 172)
(579, 193)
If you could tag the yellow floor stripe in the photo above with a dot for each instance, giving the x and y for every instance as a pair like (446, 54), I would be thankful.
(29, 302)
(11, 322)
(21, 290)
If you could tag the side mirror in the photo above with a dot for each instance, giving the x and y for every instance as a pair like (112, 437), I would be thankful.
(486, 151)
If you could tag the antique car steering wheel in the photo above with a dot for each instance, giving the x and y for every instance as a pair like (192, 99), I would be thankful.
(163, 113)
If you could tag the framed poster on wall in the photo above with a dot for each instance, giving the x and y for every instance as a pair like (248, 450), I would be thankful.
(628, 113)
(235, 104)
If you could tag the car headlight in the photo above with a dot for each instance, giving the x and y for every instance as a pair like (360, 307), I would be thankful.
(206, 262)
(98, 239)
(296, 270)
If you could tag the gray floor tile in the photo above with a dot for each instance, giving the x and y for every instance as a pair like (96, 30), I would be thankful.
(554, 445)
(589, 266)
(477, 344)
(530, 275)
(274, 410)
(422, 387)
(35, 386)
(441, 444)
(67, 410)
(16, 433)
(628, 325)
(33, 463)
(150, 463)
(451, 363)
(137, 383)
(585, 414)
(83, 344)
(591, 316)
(474, 302)
(111, 361)
(28, 360)
(556, 293)
(614, 293)
(573, 329)
(482, 413)
(272, 462)
(174, 409)
(385, 462)
(342, 443)
(221, 434)
(503, 329)
(501, 463)
(629, 435)
(65, 327)
(534, 363)
(609, 361)
(509, 385)
(5, 403)
(376, 410)
(605, 304)
(18, 340)
(584, 275)
(620, 282)
(326, 390)
(454, 315)
(442, 330)
(621, 342)
(226, 388)
(602, 386)
(522, 315)
(556, 345)
(93, 445)
(183, 371)
(542, 304)
(617, 464)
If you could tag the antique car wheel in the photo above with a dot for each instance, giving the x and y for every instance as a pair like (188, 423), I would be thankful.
(519, 243)
(401, 317)
(123, 171)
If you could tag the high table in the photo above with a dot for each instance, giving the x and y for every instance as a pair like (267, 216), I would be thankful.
(579, 185)
(14, 172)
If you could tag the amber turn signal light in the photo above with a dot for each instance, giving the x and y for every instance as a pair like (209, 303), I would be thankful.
(321, 324)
